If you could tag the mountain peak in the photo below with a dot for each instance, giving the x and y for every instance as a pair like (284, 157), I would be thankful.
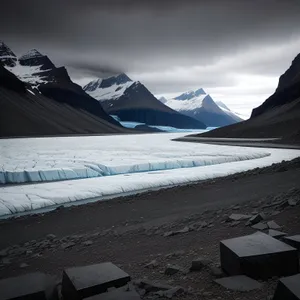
(7, 57)
(34, 58)
(122, 76)
(190, 94)
(117, 80)
(200, 92)
(33, 53)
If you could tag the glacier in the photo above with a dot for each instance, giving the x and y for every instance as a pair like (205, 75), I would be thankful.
(92, 168)
(63, 158)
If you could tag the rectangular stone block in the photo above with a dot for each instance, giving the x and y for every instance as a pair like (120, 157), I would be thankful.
(82, 282)
(288, 288)
(294, 241)
(259, 256)
(26, 287)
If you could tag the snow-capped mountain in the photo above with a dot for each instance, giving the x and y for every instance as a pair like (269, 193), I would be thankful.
(201, 106)
(132, 101)
(277, 117)
(32, 67)
(42, 78)
(111, 88)
(190, 95)
(25, 112)
(7, 57)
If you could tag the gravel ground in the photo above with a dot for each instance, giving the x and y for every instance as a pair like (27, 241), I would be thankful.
(135, 230)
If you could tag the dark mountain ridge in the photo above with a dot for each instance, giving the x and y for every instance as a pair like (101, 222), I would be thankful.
(277, 117)
(53, 105)
(132, 101)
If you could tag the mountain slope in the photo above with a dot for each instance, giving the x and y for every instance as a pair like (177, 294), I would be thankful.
(41, 75)
(7, 57)
(287, 91)
(201, 106)
(132, 101)
(25, 112)
(278, 116)
(228, 111)
(25, 109)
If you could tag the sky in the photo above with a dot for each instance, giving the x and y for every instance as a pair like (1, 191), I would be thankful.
(234, 49)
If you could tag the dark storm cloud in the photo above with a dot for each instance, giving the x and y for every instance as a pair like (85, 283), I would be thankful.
(152, 37)
(92, 69)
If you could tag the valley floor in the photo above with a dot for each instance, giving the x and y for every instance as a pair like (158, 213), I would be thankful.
(129, 231)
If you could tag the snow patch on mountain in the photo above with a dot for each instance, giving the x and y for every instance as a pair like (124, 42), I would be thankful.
(33, 53)
(191, 94)
(110, 93)
(93, 85)
(29, 74)
(111, 88)
(32, 74)
(7, 57)
(184, 105)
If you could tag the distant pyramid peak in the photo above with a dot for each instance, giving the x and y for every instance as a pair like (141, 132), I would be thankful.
(190, 94)
(33, 53)
(4, 49)
(117, 79)
(122, 77)
(7, 57)
(200, 92)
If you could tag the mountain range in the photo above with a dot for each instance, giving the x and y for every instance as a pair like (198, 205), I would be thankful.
(278, 116)
(36, 98)
(132, 101)
(201, 106)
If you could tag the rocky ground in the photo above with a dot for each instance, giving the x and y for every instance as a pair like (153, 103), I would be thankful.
(156, 236)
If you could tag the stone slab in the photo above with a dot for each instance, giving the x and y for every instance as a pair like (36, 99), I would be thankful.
(239, 217)
(26, 287)
(260, 226)
(276, 234)
(118, 294)
(288, 288)
(273, 225)
(259, 256)
(240, 283)
(87, 281)
(294, 241)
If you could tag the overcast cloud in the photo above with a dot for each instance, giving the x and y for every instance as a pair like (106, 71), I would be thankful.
(234, 49)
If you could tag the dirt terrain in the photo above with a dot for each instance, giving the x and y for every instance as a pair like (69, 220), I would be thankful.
(171, 226)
